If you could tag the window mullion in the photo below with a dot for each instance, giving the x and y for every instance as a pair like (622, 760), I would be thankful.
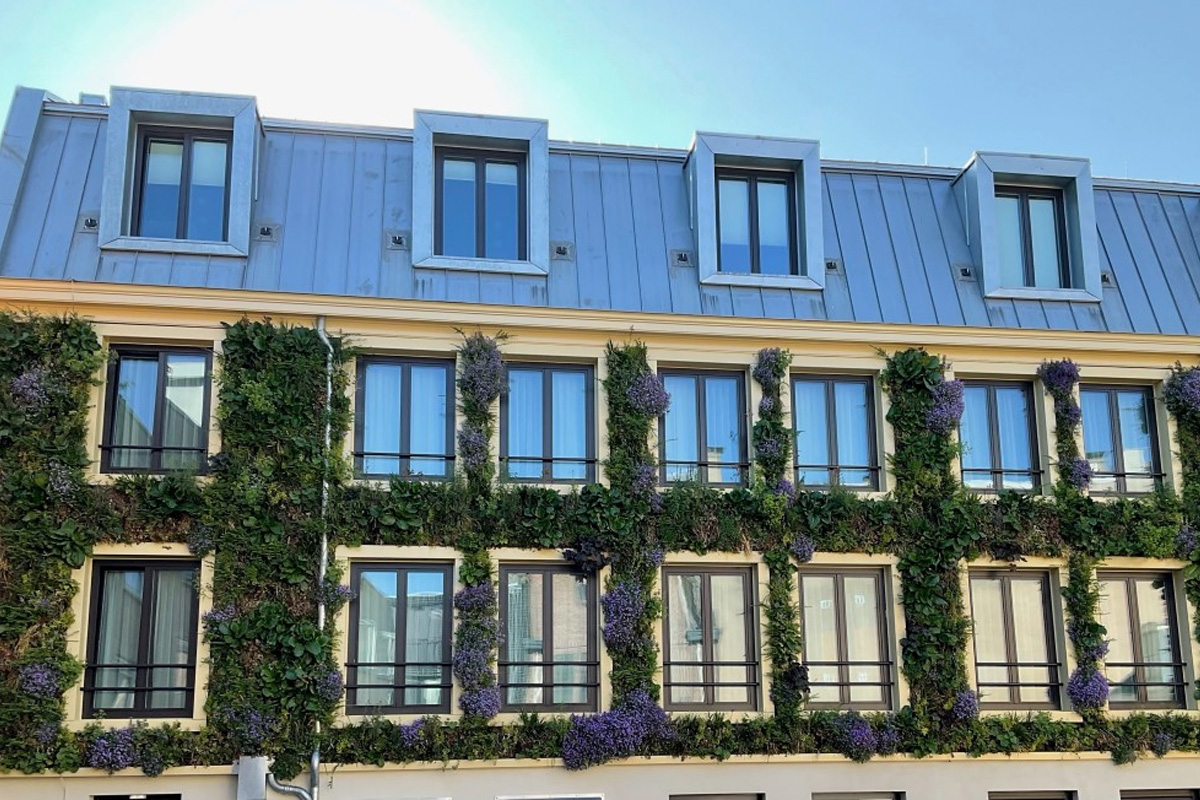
(841, 628)
(1027, 240)
(185, 180)
(160, 412)
(142, 682)
(404, 462)
(752, 205)
(548, 636)
(707, 639)
(1114, 416)
(480, 207)
(399, 652)
(547, 424)
(701, 430)
(993, 407)
(1010, 639)
(835, 474)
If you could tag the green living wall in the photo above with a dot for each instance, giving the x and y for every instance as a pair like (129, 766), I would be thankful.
(272, 670)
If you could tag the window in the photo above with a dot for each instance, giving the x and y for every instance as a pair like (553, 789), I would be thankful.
(1159, 794)
(399, 641)
(703, 435)
(1119, 438)
(756, 220)
(1143, 665)
(549, 659)
(1031, 796)
(710, 626)
(1016, 661)
(998, 437)
(480, 211)
(137, 797)
(141, 650)
(845, 638)
(1032, 237)
(183, 184)
(157, 410)
(547, 431)
(405, 420)
(835, 432)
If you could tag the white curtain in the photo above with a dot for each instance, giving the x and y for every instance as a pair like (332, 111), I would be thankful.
(171, 636)
(525, 416)
(723, 429)
(427, 420)
(729, 636)
(381, 417)
(183, 413)
(681, 445)
(570, 425)
(133, 416)
(118, 637)
(853, 432)
(423, 637)
(376, 637)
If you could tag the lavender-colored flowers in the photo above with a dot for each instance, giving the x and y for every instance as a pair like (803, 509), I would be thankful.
(476, 640)
(647, 395)
(1087, 688)
(856, 737)
(47, 733)
(1091, 652)
(624, 606)
(803, 548)
(766, 405)
(1077, 473)
(472, 448)
(1067, 412)
(645, 477)
(112, 750)
(947, 409)
(481, 377)
(334, 594)
(39, 680)
(29, 388)
(1186, 541)
(771, 366)
(785, 488)
(410, 734)
(655, 557)
(248, 726)
(481, 702)
(472, 665)
(619, 733)
(1059, 377)
(1182, 392)
(966, 706)
(768, 448)
(59, 481)
(478, 599)
(220, 615)
(1161, 744)
(329, 686)
(200, 540)
(888, 738)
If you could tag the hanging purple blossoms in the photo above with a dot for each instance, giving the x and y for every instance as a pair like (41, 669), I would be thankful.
(29, 388)
(39, 680)
(1087, 688)
(1182, 392)
(966, 706)
(624, 606)
(112, 750)
(1077, 473)
(803, 548)
(619, 733)
(647, 395)
(947, 409)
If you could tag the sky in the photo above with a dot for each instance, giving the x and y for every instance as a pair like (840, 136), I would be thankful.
(907, 81)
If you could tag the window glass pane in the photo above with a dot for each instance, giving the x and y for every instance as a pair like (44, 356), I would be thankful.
(1157, 638)
(171, 637)
(987, 622)
(812, 437)
(1031, 638)
(734, 201)
(1008, 233)
(975, 435)
(819, 607)
(723, 429)
(206, 195)
(774, 242)
(863, 638)
(729, 632)
(503, 211)
(853, 432)
(570, 423)
(160, 191)
(427, 420)
(1119, 665)
(570, 637)
(525, 637)
(1133, 408)
(458, 208)
(184, 422)
(118, 637)
(680, 424)
(1098, 439)
(376, 599)
(1012, 418)
(525, 418)
(381, 418)
(424, 623)
(686, 637)
(1043, 229)
(133, 412)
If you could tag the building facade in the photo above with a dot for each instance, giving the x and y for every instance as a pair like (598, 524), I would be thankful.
(505, 467)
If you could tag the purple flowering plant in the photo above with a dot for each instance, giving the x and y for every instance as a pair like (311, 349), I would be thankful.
(856, 738)
(966, 706)
(772, 436)
(1186, 541)
(410, 734)
(476, 640)
(112, 750)
(624, 606)
(29, 388)
(473, 447)
(647, 395)
(1059, 377)
(802, 548)
(248, 727)
(622, 732)
(329, 685)
(947, 408)
(1077, 472)
(1161, 744)
(1181, 392)
(483, 702)
(1088, 688)
(39, 680)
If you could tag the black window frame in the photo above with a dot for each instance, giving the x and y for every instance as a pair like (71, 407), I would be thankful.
(1035, 452)
(548, 459)
(150, 568)
(399, 664)
(405, 455)
(1023, 194)
(1139, 665)
(702, 465)
(186, 137)
(156, 447)
(835, 469)
(1114, 420)
(752, 177)
(481, 157)
(1160, 794)
(709, 683)
(547, 684)
(1014, 684)
(886, 666)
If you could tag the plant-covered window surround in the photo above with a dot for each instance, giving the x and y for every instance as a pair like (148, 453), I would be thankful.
(1020, 666)
(547, 424)
(988, 449)
(851, 460)
(414, 436)
(1143, 658)
(1118, 425)
(687, 451)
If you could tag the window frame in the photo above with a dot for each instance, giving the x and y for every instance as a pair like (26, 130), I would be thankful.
(1035, 471)
(548, 459)
(709, 683)
(1140, 664)
(743, 463)
(399, 664)
(548, 684)
(187, 136)
(150, 567)
(1120, 475)
(1014, 684)
(156, 447)
(835, 469)
(1023, 195)
(751, 177)
(887, 667)
(481, 156)
(405, 455)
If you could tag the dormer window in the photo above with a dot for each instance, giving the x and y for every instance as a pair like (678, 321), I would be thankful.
(480, 204)
(1032, 237)
(183, 184)
(756, 213)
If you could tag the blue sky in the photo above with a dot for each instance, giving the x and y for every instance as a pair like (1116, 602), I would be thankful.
(876, 81)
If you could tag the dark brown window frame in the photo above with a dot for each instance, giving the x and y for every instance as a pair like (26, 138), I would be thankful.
(708, 663)
(1040, 795)
(592, 684)
(835, 468)
(1023, 194)
(1114, 421)
(752, 177)
(405, 455)
(886, 667)
(150, 567)
(743, 462)
(156, 447)
(399, 663)
(1139, 664)
(548, 458)
(1053, 666)
(1035, 451)
(482, 157)
(186, 137)
(1160, 794)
